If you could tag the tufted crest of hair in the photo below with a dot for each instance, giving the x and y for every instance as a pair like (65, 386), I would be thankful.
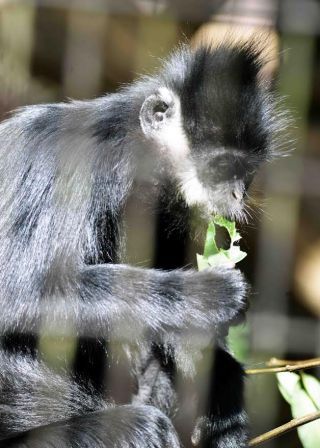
(227, 83)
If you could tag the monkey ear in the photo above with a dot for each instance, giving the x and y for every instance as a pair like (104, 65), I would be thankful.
(157, 111)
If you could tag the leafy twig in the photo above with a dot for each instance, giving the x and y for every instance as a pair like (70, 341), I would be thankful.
(294, 423)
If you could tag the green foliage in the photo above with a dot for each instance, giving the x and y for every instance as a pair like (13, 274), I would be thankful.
(238, 341)
(302, 392)
(214, 256)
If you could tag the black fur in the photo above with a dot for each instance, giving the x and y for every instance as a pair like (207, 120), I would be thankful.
(66, 173)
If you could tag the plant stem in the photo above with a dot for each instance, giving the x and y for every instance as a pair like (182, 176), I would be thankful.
(294, 423)
(276, 362)
(285, 366)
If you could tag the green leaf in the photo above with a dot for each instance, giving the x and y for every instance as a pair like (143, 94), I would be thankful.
(203, 263)
(312, 387)
(238, 341)
(210, 247)
(212, 255)
(235, 254)
(220, 259)
(230, 226)
(291, 387)
(287, 383)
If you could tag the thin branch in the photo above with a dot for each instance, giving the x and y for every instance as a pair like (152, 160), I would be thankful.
(285, 366)
(294, 423)
(276, 362)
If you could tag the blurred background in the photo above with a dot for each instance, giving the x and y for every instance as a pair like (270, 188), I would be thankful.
(54, 49)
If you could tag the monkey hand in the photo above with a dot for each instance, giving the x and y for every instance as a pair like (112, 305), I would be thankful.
(222, 292)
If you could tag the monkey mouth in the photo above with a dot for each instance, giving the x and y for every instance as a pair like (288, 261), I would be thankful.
(227, 198)
(231, 211)
(229, 201)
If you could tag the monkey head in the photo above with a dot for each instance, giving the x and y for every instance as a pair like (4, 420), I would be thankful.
(215, 120)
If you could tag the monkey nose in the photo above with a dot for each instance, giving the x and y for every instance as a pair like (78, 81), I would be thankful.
(237, 194)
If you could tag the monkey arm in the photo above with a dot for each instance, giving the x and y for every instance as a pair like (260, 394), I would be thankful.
(130, 301)
(125, 299)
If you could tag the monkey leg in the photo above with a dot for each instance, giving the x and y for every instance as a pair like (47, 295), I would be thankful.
(41, 408)
(125, 426)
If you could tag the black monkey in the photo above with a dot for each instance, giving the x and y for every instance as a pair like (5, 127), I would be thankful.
(204, 124)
